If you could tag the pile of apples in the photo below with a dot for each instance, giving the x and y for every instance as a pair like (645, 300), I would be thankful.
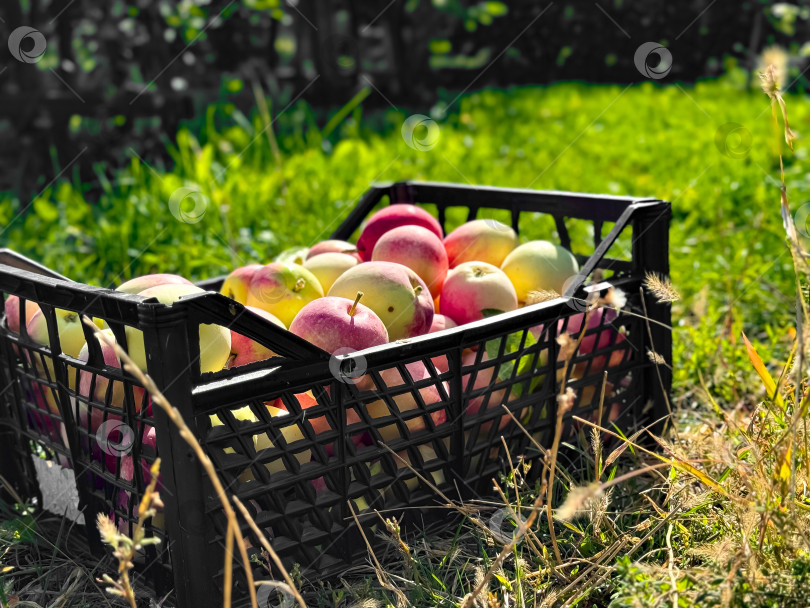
(403, 278)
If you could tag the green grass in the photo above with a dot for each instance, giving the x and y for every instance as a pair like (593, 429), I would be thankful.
(729, 262)
(727, 253)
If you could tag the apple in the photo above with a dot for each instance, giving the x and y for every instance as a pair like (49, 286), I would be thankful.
(334, 246)
(483, 377)
(71, 340)
(291, 435)
(69, 327)
(417, 248)
(392, 217)
(405, 401)
(480, 241)
(100, 387)
(440, 323)
(293, 255)
(138, 284)
(474, 287)
(333, 323)
(244, 350)
(236, 285)
(327, 267)
(539, 266)
(283, 290)
(149, 438)
(394, 292)
(320, 423)
(12, 307)
(605, 334)
(215, 341)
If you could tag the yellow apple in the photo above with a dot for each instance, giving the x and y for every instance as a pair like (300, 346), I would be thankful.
(539, 266)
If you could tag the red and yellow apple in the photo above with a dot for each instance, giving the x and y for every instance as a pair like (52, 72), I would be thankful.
(474, 287)
(12, 308)
(539, 266)
(392, 217)
(333, 246)
(417, 248)
(283, 290)
(139, 284)
(100, 385)
(69, 328)
(394, 292)
(244, 350)
(236, 285)
(405, 401)
(327, 267)
(487, 241)
(333, 323)
(215, 340)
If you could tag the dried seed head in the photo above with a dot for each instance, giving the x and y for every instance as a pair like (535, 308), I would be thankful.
(769, 81)
(656, 358)
(661, 288)
(543, 295)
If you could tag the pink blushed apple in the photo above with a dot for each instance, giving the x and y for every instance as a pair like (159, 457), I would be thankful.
(12, 308)
(333, 323)
(392, 217)
(601, 322)
(417, 248)
(440, 323)
(394, 292)
(480, 241)
(244, 350)
(139, 284)
(283, 290)
(472, 288)
(334, 246)
(237, 283)
(100, 385)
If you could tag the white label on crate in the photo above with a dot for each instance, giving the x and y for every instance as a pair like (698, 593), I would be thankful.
(58, 487)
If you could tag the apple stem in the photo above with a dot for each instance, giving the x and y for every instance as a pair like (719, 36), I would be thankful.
(418, 289)
(356, 302)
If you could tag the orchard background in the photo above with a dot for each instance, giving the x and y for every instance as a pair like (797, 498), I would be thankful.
(280, 116)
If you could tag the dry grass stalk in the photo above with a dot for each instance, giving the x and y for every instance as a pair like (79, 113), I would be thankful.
(661, 288)
(233, 534)
(124, 547)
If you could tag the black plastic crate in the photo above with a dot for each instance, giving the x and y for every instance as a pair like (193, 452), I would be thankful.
(436, 400)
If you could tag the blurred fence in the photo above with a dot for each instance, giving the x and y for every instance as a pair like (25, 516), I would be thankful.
(120, 74)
